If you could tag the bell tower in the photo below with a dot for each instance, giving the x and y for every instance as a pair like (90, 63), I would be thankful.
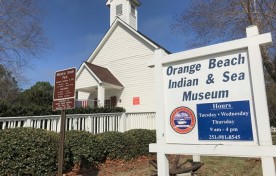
(126, 10)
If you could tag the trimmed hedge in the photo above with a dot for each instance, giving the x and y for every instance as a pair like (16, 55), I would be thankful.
(114, 144)
(14, 110)
(28, 151)
(138, 141)
(94, 110)
(84, 147)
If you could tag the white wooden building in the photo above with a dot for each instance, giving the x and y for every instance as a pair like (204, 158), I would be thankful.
(116, 73)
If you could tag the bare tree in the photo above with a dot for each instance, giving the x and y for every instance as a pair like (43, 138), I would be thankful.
(8, 86)
(21, 34)
(213, 21)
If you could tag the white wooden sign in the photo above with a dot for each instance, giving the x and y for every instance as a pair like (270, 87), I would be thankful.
(209, 100)
(213, 95)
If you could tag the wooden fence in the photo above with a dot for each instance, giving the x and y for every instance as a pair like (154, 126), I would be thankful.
(94, 123)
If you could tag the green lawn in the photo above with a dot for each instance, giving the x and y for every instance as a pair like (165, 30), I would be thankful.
(230, 166)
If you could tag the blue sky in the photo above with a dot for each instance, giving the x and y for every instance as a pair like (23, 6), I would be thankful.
(75, 27)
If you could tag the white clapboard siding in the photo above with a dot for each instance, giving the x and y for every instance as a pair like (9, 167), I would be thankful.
(126, 55)
(83, 95)
(132, 20)
(85, 80)
(113, 10)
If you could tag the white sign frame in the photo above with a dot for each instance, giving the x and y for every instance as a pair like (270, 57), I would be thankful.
(225, 80)
(263, 148)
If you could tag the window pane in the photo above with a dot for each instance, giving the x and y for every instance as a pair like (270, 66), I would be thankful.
(119, 9)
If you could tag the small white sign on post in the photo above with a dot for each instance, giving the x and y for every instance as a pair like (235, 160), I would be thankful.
(213, 95)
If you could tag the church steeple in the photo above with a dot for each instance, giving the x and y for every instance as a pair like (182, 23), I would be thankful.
(126, 10)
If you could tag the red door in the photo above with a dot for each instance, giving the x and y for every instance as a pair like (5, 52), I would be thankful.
(113, 101)
(95, 102)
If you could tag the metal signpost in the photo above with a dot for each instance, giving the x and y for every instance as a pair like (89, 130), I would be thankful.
(64, 98)
(212, 101)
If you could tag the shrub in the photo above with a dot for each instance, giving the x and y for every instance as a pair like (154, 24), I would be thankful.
(114, 144)
(84, 147)
(127, 145)
(31, 109)
(95, 110)
(27, 151)
(138, 141)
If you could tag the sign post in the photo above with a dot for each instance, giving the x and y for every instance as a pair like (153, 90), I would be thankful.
(212, 101)
(64, 98)
(61, 142)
